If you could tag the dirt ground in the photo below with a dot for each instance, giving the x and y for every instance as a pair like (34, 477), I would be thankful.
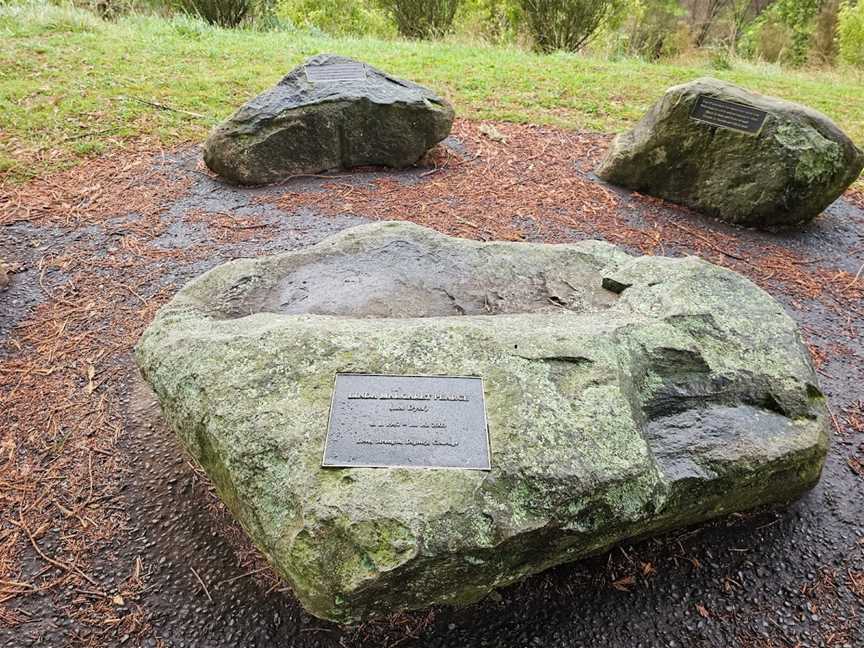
(109, 536)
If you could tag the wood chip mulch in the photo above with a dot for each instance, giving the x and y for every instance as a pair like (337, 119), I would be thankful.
(64, 369)
(61, 386)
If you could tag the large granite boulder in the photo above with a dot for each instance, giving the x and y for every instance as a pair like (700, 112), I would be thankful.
(778, 164)
(625, 396)
(331, 112)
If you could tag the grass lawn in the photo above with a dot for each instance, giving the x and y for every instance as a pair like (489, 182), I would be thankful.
(72, 85)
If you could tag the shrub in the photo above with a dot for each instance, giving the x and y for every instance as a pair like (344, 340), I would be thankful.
(823, 47)
(653, 29)
(336, 17)
(565, 24)
(850, 29)
(773, 41)
(680, 41)
(796, 17)
(496, 21)
(225, 13)
(422, 18)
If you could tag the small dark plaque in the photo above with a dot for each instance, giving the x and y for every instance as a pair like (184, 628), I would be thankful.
(379, 421)
(336, 72)
(728, 114)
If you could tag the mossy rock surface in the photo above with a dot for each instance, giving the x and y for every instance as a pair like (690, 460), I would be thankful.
(786, 174)
(331, 112)
(625, 396)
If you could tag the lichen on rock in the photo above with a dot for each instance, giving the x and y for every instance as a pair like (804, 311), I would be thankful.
(625, 396)
(787, 173)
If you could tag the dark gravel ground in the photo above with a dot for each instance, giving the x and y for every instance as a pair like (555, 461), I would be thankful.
(792, 576)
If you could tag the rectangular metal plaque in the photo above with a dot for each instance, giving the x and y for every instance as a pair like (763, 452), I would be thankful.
(336, 72)
(728, 114)
(379, 421)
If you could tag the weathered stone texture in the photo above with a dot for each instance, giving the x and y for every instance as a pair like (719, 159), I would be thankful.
(304, 126)
(625, 396)
(798, 164)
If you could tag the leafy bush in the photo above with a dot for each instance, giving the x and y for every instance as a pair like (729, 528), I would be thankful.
(422, 18)
(336, 17)
(225, 13)
(680, 41)
(795, 17)
(850, 30)
(652, 29)
(773, 42)
(496, 21)
(565, 24)
(823, 44)
(716, 23)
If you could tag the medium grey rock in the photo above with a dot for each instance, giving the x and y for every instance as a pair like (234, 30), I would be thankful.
(331, 112)
(797, 165)
(681, 393)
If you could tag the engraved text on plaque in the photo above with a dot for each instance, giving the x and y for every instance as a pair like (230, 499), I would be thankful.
(336, 72)
(407, 421)
(728, 114)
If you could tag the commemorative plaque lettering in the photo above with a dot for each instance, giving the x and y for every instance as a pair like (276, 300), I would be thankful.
(379, 421)
(728, 114)
(336, 72)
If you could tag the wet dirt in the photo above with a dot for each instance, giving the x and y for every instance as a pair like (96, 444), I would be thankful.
(791, 576)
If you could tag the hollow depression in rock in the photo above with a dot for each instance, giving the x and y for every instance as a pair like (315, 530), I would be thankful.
(406, 278)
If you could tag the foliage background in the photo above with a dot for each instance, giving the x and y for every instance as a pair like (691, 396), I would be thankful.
(792, 33)
(789, 33)
(74, 84)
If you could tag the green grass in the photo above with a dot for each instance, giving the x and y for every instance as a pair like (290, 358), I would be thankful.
(70, 84)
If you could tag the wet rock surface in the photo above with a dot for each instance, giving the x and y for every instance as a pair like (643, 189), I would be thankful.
(773, 577)
(625, 396)
(786, 173)
(332, 112)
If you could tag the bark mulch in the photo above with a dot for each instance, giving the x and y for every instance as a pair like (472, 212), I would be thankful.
(89, 243)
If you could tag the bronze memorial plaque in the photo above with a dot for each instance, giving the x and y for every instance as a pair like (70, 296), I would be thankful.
(379, 421)
(336, 72)
(728, 114)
